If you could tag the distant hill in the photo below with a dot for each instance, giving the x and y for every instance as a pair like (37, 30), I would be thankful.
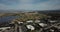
(53, 13)
(49, 12)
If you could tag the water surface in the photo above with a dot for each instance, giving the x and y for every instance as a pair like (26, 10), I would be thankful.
(7, 18)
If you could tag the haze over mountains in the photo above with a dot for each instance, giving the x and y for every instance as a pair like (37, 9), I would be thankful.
(40, 11)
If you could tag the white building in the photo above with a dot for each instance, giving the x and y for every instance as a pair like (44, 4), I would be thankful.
(29, 21)
(42, 24)
(37, 21)
(19, 22)
(4, 28)
(30, 27)
(52, 21)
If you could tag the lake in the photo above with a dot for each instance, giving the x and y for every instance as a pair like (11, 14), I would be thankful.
(7, 18)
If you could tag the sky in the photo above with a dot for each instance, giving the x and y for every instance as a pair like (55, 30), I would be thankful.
(29, 4)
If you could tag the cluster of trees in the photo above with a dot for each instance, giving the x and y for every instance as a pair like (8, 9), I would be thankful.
(25, 17)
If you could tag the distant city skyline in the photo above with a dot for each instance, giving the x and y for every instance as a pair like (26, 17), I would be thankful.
(29, 4)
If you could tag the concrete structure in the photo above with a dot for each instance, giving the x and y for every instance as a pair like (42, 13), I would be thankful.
(30, 27)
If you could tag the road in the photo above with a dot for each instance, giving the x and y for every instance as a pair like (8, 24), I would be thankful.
(20, 29)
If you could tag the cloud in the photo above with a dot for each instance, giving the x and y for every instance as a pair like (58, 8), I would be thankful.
(26, 1)
(8, 2)
(49, 5)
(33, 5)
(2, 6)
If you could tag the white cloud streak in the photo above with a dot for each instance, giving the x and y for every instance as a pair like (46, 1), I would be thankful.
(25, 4)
